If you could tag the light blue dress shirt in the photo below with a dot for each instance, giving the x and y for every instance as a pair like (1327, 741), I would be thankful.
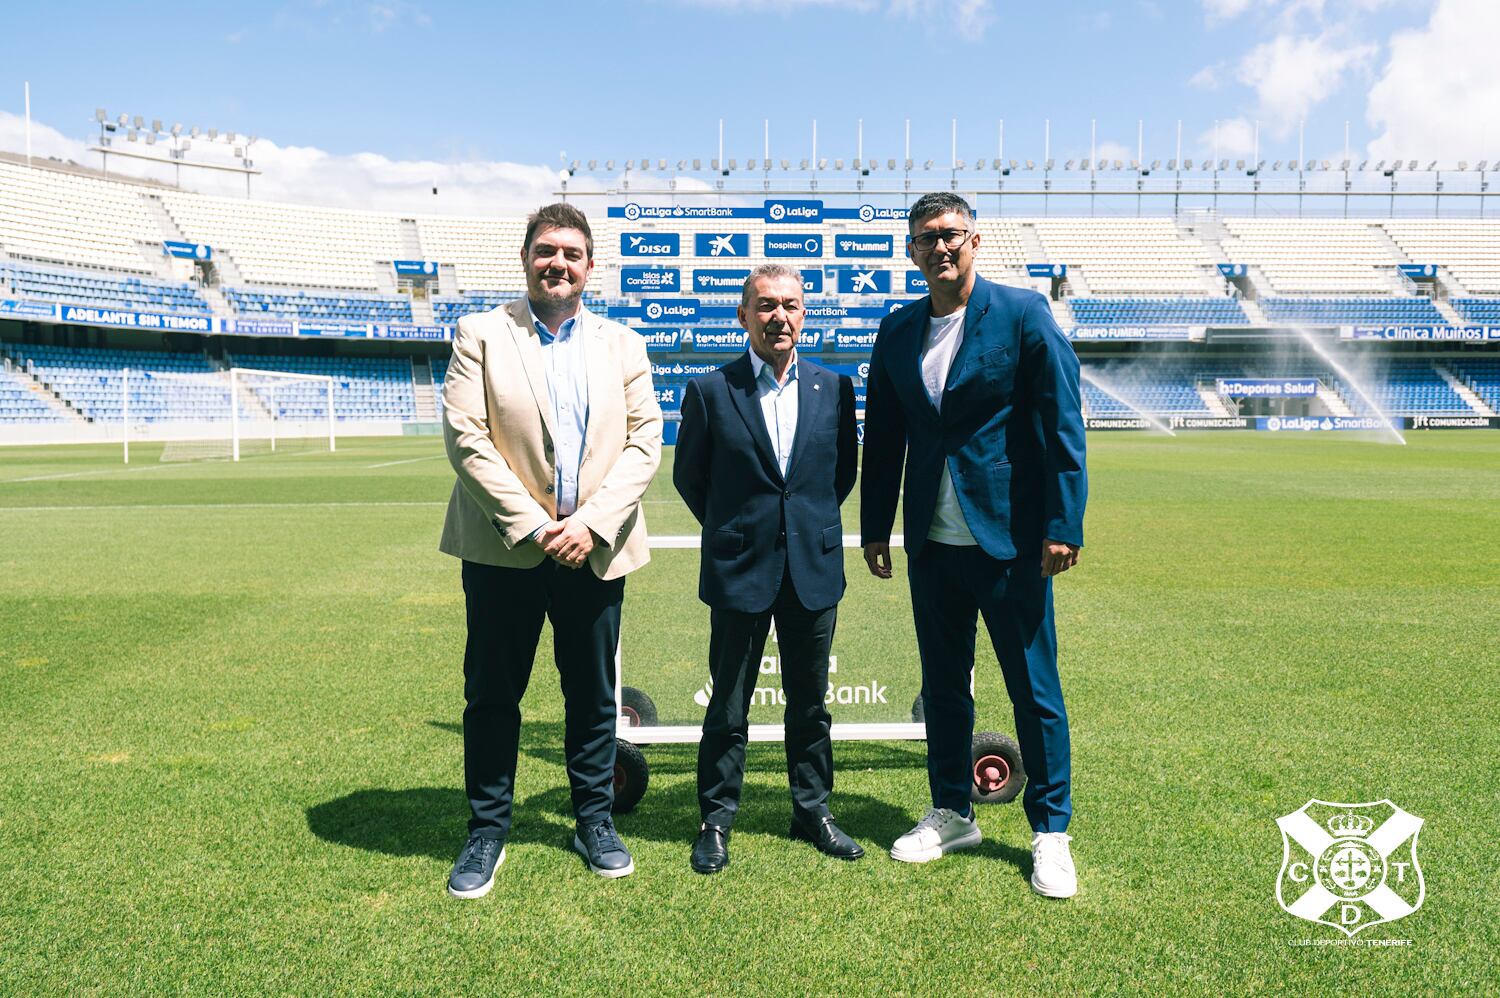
(568, 384)
(778, 406)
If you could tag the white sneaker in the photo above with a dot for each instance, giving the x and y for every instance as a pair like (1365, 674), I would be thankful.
(1052, 873)
(940, 831)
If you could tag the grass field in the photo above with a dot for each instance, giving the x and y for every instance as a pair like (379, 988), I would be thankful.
(229, 759)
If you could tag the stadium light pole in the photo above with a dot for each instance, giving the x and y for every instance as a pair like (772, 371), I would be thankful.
(1177, 173)
(1093, 162)
(28, 123)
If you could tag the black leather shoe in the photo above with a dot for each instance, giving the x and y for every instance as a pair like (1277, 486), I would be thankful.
(827, 838)
(711, 850)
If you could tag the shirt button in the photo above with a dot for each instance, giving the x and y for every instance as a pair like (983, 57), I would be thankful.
(549, 490)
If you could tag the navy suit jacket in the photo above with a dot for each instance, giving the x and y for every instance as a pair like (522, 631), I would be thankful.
(757, 524)
(1010, 429)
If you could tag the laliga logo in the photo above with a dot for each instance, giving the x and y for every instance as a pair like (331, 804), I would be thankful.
(428, 267)
(1350, 867)
(1057, 270)
(201, 251)
(1274, 423)
(777, 212)
(632, 211)
(866, 213)
(653, 310)
(864, 369)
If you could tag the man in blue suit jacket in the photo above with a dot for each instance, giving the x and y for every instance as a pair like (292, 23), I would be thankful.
(766, 453)
(977, 390)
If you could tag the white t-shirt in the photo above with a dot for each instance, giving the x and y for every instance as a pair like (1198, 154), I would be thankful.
(944, 336)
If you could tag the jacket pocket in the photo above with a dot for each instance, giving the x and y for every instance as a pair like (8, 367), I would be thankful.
(728, 542)
(833, 537)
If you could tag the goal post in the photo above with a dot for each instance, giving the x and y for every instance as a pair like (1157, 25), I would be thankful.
(226, 414)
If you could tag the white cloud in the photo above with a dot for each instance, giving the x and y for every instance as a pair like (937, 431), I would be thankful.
(1225, 10)
(313, 176)
(1109, 150)
(1291, 74)
(1438, 93)
(971, 17)
(1235, 139)
(1208, 78)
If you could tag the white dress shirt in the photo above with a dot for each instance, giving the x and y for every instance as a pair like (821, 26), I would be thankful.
(944, 336)
(568, 384)
(778, 406)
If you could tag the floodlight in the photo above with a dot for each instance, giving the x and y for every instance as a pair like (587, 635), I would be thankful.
(252, 140)
(1310, 164)
(629, 164)
(1363, 163)
(1380, 165)
(1483, 165)
(838, 164)
(1412, 165)
(749, 164)
(213, 135)
(958, 165)
(681, 165)
(138, 122)
(186, 145)
(979, 164)
(822, 164)
(1068, 165)
(99, 115)
(593, 164)
(1083, 164)
(1118, 165)
(573, 166)
(176, 129)
(697, 164)
(872, 164)
(1030, 165)
(1223, 164)
(927, 165)
(123, 120)
(890, 164)
(131, 135)
(1432, 166)
(1187, 164)
(1172, 164)
(908, 164)
(1048, 165)
(156, 124)
(150, 138)
(1014, 165)
(1463, 164)
(661, 164)
(732, 165)
(194, 132)
(1155, 164)
(1344, 166)
(786, 164)
(609, 164)
(239, 152)
(1239, 164)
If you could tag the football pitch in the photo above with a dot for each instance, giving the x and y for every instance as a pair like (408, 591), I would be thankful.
(230, 759)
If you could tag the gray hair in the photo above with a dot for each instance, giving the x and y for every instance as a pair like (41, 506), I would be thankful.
(768, 271)
(938, 203)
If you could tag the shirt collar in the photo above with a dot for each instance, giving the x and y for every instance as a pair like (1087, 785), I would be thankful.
(760, 367)
(563, 332)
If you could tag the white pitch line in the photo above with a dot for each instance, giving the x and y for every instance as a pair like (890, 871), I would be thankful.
(213, 505)
(82, 474)
(408, 460)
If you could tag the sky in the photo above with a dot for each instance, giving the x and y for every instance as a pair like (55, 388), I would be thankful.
(374, 103)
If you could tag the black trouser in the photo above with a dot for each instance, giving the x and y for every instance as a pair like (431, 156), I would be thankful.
(505, 608)
(735, 647)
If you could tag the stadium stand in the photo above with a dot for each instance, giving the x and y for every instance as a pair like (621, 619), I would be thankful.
(1404, 388)
(290, 244)
(92, 382)
(315, 307)
(485, 252)
(1484, 311)
(102, 290)
(1218, 310)
(1469, 248)
(19, 404)
(363, 387)
(1481, 375)
(1353, 311)
(40, 212)
(1318, 256)
(1128, 255)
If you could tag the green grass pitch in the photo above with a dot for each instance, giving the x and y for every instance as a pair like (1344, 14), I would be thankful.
(229, 759)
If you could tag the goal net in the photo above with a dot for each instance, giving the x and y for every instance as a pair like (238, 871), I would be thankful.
(227, 414)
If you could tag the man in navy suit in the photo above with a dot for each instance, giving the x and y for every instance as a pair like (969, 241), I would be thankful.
(766, 453)
(976, 390)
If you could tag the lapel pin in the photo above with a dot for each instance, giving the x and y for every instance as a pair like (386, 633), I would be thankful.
(817, 388)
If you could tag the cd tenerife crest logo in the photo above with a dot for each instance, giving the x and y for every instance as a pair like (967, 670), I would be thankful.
(1350, 866)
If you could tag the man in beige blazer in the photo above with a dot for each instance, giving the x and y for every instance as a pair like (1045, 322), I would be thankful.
(552, 425)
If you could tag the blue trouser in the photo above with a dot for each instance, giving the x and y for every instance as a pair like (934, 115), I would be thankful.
(950, 588)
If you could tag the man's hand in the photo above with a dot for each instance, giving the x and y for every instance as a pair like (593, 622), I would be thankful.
(1058, 557)
(878, 557)
(567, 541)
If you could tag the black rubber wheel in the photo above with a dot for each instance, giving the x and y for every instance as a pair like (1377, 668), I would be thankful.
(632, 774)
(637, 707)
(918, 711)
(997, 773)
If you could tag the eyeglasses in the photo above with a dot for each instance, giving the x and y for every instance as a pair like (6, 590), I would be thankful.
(950, 238)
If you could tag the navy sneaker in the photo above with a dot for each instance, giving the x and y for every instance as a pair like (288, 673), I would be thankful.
(600, 846)
(474, 873)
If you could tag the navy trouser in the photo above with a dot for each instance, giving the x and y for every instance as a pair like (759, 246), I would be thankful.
(950, 588)
(505, 609)
(736, 643)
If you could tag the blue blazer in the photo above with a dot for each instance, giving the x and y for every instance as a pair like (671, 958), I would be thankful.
(1010, 430)
(757, 525)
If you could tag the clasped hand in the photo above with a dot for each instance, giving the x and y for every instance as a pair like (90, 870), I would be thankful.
(566, 541)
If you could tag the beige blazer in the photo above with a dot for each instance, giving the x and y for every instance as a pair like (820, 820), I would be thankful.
(497, 426)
